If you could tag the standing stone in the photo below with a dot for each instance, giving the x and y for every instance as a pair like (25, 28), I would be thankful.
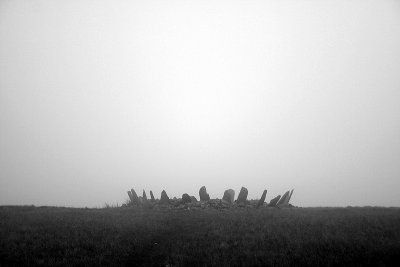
(186, 198)
(130, 196)
(290, 196)
(242, 195)
(193, 198)
(283, 199)
(164, 198)
(286, 200)
(152, 196)
(229, 196)
(262, 199)
(203, 194)
(273, 201)
(135, 198)
(144, 196)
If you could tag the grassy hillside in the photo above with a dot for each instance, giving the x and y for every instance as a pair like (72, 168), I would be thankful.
(233, 237)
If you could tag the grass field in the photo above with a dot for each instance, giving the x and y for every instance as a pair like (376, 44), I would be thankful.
(233, 237)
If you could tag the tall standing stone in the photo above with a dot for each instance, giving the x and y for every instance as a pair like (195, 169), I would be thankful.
(283, 199)
(130, 196)
(242, 195)
(273, 201)
(144, 196)
(203, 194)
(164, 198)
(287, 199)
(290, 196)
(262, 199)
(152, 196)
(135, 198)
(229, 196)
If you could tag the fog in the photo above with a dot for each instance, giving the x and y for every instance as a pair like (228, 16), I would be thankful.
(97, 97)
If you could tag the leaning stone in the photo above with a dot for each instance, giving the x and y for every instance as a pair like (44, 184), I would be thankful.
(152, 196)
(287, 199)
(262, 199)
(242, 195)
(290, 196)
(274, 201)
(193, 198)
(229, 196)
(203, 194)
(283, 199)
(144, 196)
(164, 198)
(135, 198)
(186, 198)
(130, 196)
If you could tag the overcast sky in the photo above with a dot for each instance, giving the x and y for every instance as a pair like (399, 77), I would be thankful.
(97, 97)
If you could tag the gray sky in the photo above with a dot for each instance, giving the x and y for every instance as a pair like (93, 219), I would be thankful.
(97, 97)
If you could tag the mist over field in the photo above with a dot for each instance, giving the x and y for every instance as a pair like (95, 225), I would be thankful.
(98, 97)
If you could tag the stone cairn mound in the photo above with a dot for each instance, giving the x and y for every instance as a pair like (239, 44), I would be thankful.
(189, 202)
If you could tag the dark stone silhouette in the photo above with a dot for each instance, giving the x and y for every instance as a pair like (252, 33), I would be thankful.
(242, 195)
(262, 199)
(186, 198)
(274, 201)
(130, 196)
(229, 196)
(283, 199)
(205, 201)
(152, 196)
(203, 194)
(135, 198)
(290, 196)
(164, 198)
(285, 202)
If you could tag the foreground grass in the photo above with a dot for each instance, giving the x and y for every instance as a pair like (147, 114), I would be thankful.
(240, 237)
